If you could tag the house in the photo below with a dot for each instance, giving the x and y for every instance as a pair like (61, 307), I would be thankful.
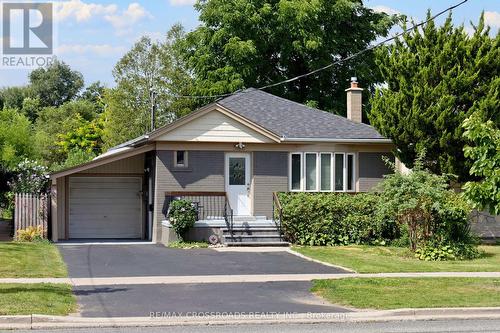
(228, 157)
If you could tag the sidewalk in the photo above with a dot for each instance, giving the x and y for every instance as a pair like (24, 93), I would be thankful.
(200, 279)
(195, 319)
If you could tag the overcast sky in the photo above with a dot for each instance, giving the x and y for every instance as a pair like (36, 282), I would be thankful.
(94, 34)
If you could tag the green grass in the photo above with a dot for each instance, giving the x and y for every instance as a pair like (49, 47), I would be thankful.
(38, 298)
(380, 259)
(393, 293)
(187, 245)
(30, 260)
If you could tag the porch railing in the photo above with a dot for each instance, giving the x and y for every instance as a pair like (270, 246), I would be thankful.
(209, 205)
(277, 213)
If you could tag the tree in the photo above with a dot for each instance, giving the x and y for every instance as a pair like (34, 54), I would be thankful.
(484, 151)
(148, 67)
(94, 93)
(13, 97)
(16, 138)
(55, 121)
(56, 84)
(87, 137)
(433, 77)
(251, 43)
(75, 157)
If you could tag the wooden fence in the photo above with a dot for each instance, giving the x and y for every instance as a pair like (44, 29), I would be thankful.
(31, 210)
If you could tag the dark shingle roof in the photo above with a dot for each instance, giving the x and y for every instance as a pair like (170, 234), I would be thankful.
(294, 120)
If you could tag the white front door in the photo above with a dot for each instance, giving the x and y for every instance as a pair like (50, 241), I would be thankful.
(238, 182)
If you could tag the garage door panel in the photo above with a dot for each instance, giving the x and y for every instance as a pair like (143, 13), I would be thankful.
(105, 207)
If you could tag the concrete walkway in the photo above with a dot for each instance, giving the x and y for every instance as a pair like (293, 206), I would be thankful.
(205, 279)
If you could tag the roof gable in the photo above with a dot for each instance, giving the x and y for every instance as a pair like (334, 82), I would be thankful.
(214, 124)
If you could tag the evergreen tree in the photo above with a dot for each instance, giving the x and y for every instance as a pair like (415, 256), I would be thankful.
(433, 77)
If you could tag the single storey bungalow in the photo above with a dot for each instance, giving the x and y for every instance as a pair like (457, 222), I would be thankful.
(228, 157)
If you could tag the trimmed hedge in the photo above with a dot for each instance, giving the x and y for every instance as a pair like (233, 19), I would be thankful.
(335, 219)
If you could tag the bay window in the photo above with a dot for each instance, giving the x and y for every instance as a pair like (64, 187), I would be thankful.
(322, 171)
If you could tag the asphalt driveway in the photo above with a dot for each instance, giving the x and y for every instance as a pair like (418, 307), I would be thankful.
(200, 299)
(156, 260)
(139, 300)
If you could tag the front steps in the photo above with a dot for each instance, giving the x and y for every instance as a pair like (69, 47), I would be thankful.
(253, 233)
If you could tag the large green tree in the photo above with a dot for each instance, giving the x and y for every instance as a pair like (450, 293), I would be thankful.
(56, 124)
(56, 84)
(433, 77)
(252, 43)
(148, 67)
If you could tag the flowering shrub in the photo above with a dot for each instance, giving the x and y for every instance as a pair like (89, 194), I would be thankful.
(31, 177)
(182, 215)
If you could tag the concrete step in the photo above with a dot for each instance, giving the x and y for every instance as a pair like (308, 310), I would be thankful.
(251, 238)
(251, 231)
(266, 244)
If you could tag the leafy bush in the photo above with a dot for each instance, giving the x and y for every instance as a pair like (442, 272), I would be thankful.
(334, 219)
(433, 250)
(182, 215)
(30, 234)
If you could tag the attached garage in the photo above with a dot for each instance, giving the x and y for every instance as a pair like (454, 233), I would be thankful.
(105, 207)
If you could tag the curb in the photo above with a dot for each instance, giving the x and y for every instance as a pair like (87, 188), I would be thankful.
(166, 319)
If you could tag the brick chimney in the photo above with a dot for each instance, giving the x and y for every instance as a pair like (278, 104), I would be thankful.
(354, 101)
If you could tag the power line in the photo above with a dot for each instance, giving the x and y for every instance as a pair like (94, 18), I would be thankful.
(354, 55)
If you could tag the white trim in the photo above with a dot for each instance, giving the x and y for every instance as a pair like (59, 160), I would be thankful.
(305, 171)
(336, 140)
(290, 172)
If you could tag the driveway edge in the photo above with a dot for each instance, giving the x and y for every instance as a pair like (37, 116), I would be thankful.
(159, 319)
(300, 255)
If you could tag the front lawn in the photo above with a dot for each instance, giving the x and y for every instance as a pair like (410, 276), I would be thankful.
(30, 260)
(381, 259)
(38, 298)
(393, 293)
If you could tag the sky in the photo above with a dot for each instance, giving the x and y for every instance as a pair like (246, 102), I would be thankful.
(92, 35)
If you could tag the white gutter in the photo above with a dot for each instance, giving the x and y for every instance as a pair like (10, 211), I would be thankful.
(336, 140)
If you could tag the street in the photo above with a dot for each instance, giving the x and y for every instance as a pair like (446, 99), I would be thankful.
(455, 326)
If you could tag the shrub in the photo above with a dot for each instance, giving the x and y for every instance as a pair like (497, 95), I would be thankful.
(182, 215)
(30, 177)
(333, 219)
(30, 234)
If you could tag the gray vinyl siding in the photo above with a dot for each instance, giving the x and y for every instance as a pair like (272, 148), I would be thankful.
(372, 168)
(205, 172)
(270, 174)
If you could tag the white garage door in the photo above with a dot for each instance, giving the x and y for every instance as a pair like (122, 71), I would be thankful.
(105, 207)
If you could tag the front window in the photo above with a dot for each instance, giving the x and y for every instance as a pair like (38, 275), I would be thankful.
(296, 172)
(324, 171)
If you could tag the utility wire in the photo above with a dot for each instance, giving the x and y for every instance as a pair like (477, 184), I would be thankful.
(354, 55)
